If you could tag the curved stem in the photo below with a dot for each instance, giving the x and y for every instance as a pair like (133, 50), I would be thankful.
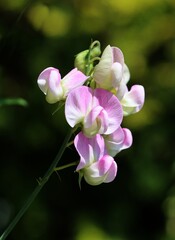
(38, 188)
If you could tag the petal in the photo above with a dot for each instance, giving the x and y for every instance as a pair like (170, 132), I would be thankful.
(78, 104)
(92, 116)
(73, 80)
(116, 72)
(89, 149)
(104, 170)
(44, 78)
(49, 83)
(102, 71)
(112, 106)
(112, 169)
(133, 100)
(96, 121)
(117, 55)
(126, 74)
(109, 71)
(121, 90)
(55, 91)
(119, 140)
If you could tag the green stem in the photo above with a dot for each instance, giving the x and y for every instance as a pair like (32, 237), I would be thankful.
(38, 188)
(66, 166)
(70, 143)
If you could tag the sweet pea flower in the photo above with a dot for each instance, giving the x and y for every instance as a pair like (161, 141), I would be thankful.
(95, 165)
(111, 69)
(55, 88)
(97, 110)
(133, 100)
(117, 141)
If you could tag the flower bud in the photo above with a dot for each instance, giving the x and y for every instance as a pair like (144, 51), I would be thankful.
(86, 58)
(81, 60)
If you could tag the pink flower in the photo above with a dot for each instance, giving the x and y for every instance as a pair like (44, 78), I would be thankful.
(133, 100)
(95, 165)
(97, 111)
(111, 69)
(117, 141)
(55, 88)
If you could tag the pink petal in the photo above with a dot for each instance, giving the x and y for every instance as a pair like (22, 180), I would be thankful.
(119, 140)
(44, 78)
(104, 170)
(133, 100)
(49, 83)
(112, 169)
(78, 104)
(116, 73)
(89, 149)
(112, 106)
(96, 121)
(104, 165)
(117, 55)
(73, 80)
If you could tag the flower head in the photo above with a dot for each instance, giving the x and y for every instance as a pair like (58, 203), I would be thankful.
(95, 165)
(98, 110)
(55, 88)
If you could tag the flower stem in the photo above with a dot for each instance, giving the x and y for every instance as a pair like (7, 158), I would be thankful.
(38, 188)
(66, 166)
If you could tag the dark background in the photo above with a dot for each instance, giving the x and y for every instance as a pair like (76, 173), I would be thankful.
(140, 203)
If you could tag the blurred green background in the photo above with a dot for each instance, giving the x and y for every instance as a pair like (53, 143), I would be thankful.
(140, 203)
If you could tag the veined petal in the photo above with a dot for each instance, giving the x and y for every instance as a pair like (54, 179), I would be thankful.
(112, 106)
(78, 104)
(119, 140)
(133, 100)
(72, 80)
(89, 149)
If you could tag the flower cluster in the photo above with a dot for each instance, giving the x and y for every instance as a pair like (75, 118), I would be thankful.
(96, 99)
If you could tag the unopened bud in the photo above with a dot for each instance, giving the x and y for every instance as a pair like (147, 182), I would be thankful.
(85, 59)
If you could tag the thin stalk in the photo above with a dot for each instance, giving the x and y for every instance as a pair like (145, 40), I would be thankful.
(38, 188)
(66, 166)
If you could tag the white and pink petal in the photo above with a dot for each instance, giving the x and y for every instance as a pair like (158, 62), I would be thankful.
(102, 171)
(117, 141)
(89, 149)
(133, 100)
(73, 79)
(78, 104)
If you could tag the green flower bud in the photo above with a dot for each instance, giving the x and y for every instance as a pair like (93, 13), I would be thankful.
(84, 60)
(95, 51)
(81, 60)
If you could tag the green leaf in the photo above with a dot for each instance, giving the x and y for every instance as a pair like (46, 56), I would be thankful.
(13, 101)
